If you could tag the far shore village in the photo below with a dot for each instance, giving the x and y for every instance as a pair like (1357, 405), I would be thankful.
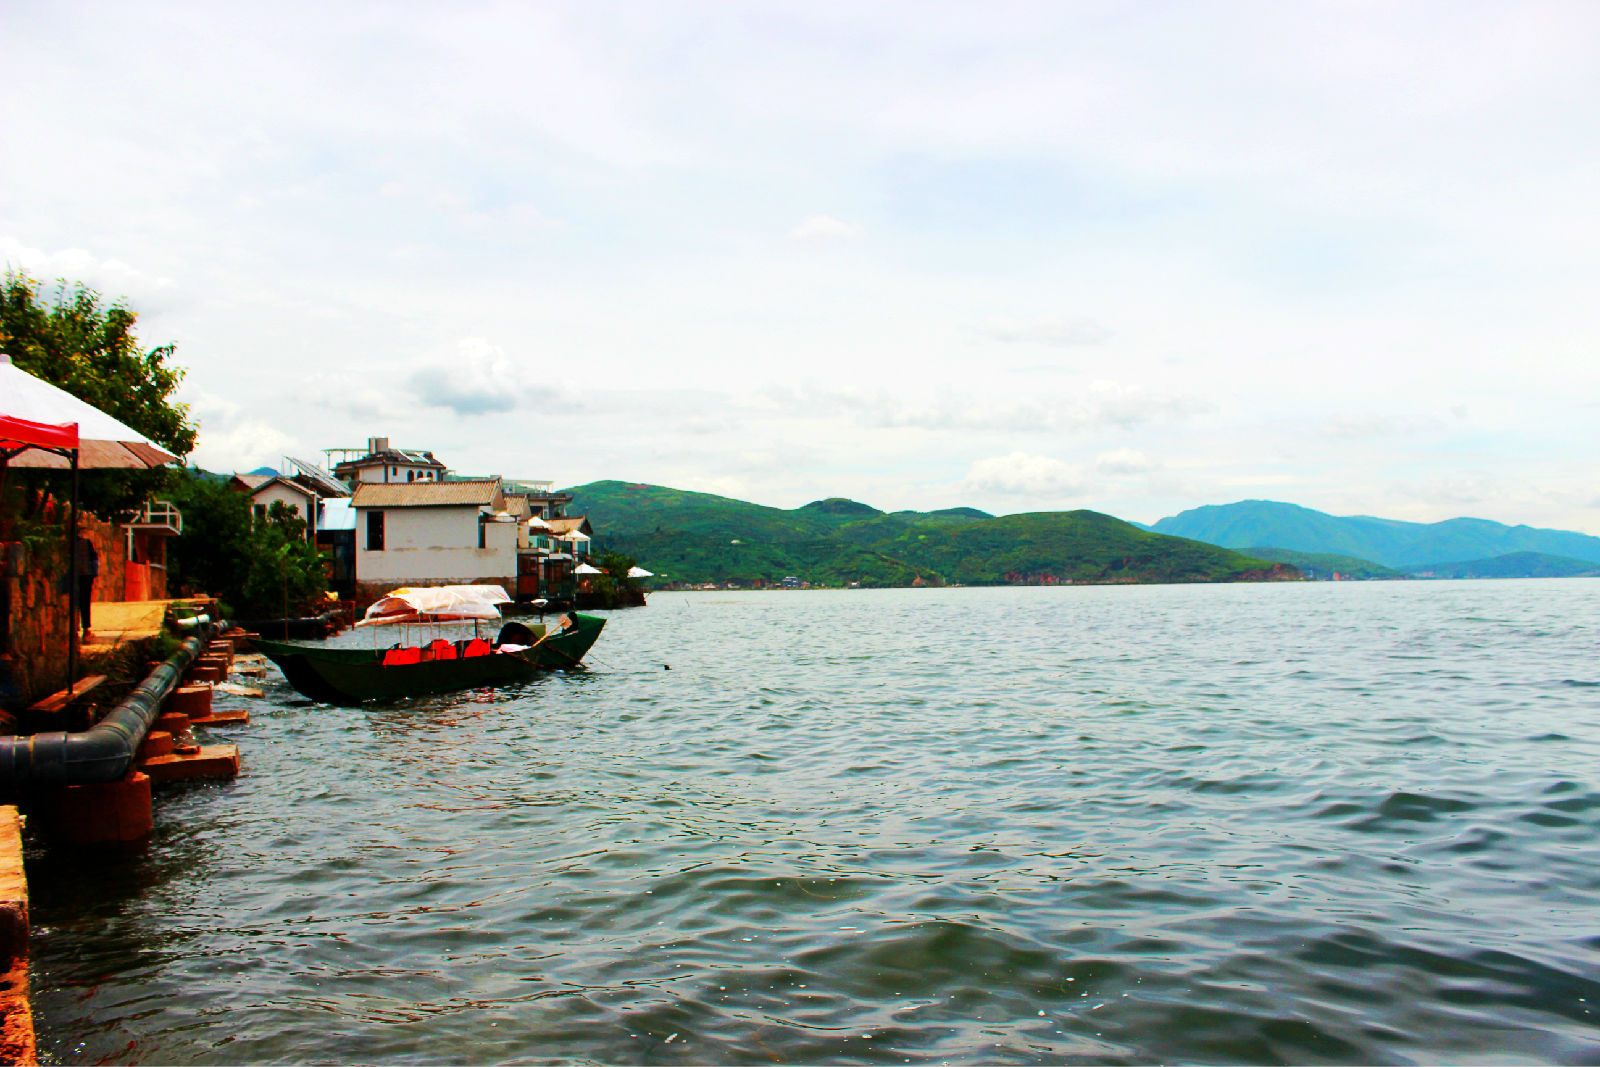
(389, 517)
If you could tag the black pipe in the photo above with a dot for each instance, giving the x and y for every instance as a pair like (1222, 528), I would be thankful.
(105, 751)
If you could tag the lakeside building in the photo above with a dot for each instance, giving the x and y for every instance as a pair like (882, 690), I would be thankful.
(410, 521)
(301, 487)
(384, 464)
(432, 533)
(268, 489)
(544, 501)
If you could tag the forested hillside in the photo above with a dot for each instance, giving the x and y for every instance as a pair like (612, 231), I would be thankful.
(699, 537)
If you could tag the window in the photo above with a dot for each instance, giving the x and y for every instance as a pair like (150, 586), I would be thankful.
(374, 531)
(483, 539)
(261, 512)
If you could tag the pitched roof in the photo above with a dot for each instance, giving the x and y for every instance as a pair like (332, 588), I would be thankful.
(426, 494)
(569, 524)
(254, 483)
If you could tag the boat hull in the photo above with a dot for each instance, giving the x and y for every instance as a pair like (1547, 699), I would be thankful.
(351, 676)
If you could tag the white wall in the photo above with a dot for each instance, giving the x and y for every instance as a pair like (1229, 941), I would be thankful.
(436, 545)
(299, 502)
(382, 473)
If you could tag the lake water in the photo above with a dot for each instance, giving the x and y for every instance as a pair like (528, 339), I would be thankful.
(1305, 823)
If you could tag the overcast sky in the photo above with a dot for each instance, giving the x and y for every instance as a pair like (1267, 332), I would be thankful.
(1130, 257)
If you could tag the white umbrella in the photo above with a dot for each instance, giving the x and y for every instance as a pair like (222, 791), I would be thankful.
(584, 568)
(573, 536)
(100, 440)
(538, 524)
(640, 572)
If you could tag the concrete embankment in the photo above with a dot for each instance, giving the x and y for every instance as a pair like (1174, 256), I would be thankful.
(16, 1014)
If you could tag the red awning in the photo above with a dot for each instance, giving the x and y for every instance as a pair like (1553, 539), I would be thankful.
(15, 433)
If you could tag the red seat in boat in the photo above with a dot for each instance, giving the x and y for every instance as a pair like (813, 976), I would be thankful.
(397, 657)
(442, 649)
(477, 647)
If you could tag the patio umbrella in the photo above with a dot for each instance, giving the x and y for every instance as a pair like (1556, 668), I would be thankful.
(101, 442)
(640, 572)
(584, 568)
(42, 425)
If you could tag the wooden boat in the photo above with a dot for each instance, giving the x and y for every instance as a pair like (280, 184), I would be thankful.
(351, 675)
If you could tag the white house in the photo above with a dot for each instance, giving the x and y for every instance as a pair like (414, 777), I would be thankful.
(268, 489)
(386, 465)
(434, 533)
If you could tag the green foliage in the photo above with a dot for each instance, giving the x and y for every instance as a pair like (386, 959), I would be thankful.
(1326, 564)
(698, 537)
(267, 568)
(613, 586)
(74, 341)
(164, 646)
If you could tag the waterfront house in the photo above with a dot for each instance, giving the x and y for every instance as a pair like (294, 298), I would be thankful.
(267, 489)
(576, 531)
(543, 499)
(383, 464)
(303, 488)
(434, 533)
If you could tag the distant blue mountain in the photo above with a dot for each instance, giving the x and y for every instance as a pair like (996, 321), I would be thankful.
(1388, 541)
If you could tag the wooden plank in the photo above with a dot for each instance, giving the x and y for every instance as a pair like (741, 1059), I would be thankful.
(56, 701)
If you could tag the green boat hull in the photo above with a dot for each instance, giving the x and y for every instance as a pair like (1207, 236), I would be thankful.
(354, 675)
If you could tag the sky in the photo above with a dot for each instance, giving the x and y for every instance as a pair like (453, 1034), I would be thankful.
(1134, 257)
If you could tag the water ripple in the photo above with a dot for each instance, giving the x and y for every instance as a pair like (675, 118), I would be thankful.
(1309, 824)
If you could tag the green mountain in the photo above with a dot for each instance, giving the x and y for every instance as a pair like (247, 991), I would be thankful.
(1326, 564)
(699, 537)
(1513, 565)
(1386, 541)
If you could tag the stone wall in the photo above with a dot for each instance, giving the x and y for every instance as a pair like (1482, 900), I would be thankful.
(38, 615)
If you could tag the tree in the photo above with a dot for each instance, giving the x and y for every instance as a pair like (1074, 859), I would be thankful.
(75, 341)
(264, 568)
(286, 573)
(614, 586)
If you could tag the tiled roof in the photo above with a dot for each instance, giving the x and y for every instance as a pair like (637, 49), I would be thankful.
(257, 482)
(569, 524)
(426, 494)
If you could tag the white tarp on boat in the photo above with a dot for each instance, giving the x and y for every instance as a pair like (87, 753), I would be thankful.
(437, 602)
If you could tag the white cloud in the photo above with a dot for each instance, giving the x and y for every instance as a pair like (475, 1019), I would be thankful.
(355, 396)
(1124, 461)
(112, 278)
(822, 228)
(1098, 406)
(231, 439)
(1365, 427)
(1054, 332)
(1025, 474)
(1223, 202)
(477, 379)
